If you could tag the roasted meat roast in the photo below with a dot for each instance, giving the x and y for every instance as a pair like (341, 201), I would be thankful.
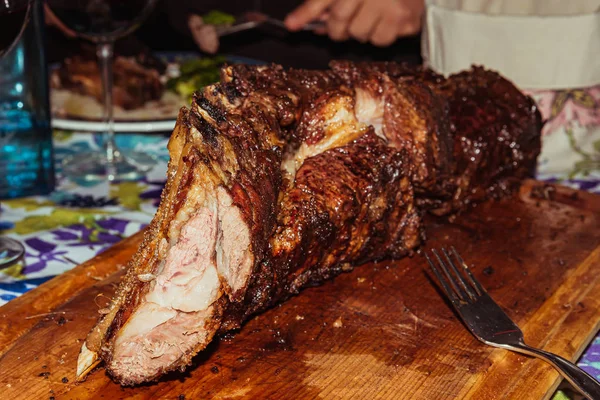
(280, 179)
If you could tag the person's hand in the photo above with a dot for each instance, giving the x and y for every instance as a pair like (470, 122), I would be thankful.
(380, 22)
(204, 35)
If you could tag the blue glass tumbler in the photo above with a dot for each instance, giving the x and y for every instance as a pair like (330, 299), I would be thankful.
(26, 156)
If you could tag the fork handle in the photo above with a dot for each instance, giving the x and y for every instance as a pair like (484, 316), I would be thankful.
(581, 380)
(311, 26)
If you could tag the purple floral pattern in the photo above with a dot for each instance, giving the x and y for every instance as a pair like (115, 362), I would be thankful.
(76, 223)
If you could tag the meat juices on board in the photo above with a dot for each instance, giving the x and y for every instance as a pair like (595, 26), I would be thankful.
(283, 178)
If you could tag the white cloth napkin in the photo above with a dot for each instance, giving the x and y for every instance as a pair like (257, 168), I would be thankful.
(543, 44)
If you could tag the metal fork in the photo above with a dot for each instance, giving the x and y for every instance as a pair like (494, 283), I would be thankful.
(486, 320)
(253, 19)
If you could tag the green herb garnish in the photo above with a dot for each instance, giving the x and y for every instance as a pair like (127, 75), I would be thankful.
(216, 17)
(196, 74)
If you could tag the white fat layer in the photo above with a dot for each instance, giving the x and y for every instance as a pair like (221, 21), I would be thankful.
(341, 127)
(185, 212)
(369, 110)
(147, 317)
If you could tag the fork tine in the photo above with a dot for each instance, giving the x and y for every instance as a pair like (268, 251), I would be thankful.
(480, 290)
(460, 293)
(449, 292)
(461, 280)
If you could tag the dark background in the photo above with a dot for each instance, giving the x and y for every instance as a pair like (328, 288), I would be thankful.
(166, 30)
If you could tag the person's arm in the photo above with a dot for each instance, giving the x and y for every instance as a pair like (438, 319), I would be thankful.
(380, 22)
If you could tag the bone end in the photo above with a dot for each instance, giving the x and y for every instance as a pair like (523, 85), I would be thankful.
(86, 362)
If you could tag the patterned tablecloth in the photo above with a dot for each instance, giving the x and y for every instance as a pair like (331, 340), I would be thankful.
(75, 223)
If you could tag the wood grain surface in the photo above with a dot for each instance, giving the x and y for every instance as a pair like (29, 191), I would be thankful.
(380, 331)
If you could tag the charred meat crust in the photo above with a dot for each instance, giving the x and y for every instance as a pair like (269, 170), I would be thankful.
(348, 205)
(484, 133)
(417, 120)
(497, 134)
(295, 183)
(180, 175)
(413, 117)
(214, 146)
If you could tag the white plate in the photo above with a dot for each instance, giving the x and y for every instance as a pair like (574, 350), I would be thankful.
(94, 126)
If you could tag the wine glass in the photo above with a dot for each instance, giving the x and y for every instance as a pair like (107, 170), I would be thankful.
(14, 15)
(102, 22)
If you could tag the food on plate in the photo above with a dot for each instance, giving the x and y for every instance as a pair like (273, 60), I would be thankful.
(134, 83)
(145, 88)
(280, 179)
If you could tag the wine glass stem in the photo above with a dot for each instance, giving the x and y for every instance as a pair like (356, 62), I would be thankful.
(105, 60)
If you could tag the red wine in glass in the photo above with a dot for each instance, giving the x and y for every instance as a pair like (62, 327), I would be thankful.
(102, 22)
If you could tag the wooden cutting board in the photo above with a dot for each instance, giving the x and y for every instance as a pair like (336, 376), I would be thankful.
(381, 331)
